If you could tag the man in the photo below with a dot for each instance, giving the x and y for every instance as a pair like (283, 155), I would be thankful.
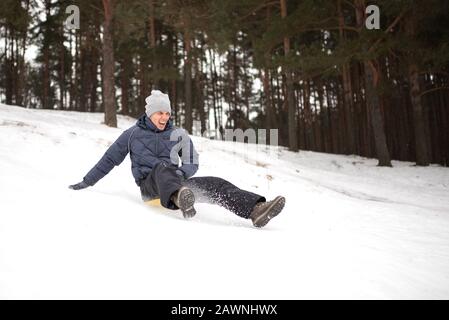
(155, 147)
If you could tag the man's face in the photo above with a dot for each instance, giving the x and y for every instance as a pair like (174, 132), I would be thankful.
(160, 119)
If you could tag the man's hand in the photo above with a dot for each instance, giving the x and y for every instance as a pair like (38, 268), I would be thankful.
(180, 174)
(79, 186)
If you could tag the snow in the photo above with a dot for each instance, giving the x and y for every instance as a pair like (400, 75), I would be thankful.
(349, 230)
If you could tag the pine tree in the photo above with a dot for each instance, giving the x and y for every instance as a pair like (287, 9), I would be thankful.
(110, 117)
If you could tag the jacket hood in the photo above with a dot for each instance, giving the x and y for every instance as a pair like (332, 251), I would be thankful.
(145, 123)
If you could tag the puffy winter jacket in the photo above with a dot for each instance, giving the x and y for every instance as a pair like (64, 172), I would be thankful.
(147, 146)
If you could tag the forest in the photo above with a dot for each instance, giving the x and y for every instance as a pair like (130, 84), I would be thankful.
(319, 71)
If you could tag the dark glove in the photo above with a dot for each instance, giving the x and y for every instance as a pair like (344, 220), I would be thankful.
(79, 186)
(180, 174)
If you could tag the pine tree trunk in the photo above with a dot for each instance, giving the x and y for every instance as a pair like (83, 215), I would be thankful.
(307, 116)
(373, 104)
(143, 90)
(372, 98)
(15, 62)
(443, 102)
(422, 155)
(270, 117)
(234, 89)
(332, 143)
(74, 73)
(214, 89)
(292, 130)
(348, 103)
(174, 95)
(46, 78)
(347, 93)
(358, 108)
(152, 37)
(419, 119)
(22, 71)
(110, 113)
(93, 75)
(188, 83)
(78, 73)
(124, 82)
(152, 27)
(61, 81)
(199, 91)
(90, 81)
(174, 100)
(84, 67)
(8, 67)
(322, 119)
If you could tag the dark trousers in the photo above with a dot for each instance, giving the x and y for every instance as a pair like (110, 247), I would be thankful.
(163, 182)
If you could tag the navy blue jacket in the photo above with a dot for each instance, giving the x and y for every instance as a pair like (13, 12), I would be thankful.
(147, 146)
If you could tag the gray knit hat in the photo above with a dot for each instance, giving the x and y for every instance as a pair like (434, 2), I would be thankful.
(157, 101)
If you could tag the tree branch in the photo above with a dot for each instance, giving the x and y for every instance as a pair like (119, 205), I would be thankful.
(434, 89)
(99, 10)
(331, 28)
(261, 6)
(434, 72)
(306, 76)
(350, 4)
(392, 25)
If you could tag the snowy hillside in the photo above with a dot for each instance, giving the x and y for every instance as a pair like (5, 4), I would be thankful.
(349, 229)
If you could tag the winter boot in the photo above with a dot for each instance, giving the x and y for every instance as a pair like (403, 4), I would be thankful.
(184, 200)
(263, 212)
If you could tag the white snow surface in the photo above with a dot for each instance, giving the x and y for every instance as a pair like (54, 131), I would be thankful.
(349, 230)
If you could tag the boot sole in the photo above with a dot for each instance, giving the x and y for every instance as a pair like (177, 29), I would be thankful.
(272, 211)
(186, 202)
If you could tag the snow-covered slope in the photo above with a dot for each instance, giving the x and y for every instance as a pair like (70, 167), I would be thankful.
(349, 229)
